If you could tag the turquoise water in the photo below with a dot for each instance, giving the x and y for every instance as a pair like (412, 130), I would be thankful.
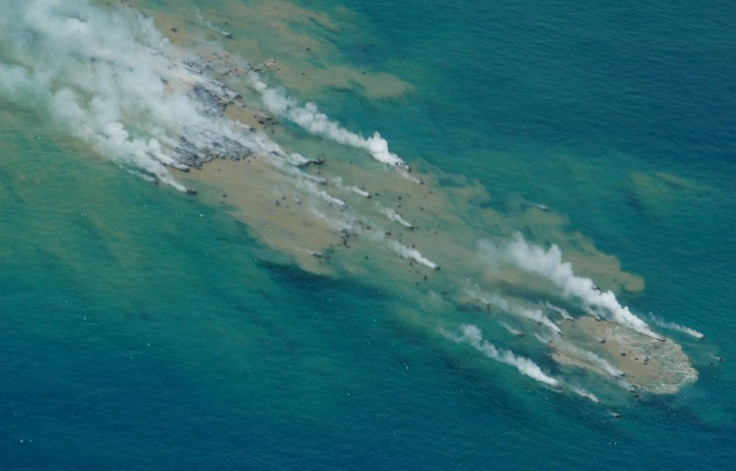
(143, 329)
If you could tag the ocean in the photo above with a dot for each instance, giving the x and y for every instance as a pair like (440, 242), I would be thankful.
(529, 267)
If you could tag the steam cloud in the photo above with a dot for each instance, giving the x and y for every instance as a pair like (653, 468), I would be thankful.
(583, 393)
(396, 217)
(549, 265)
(412, 254)
(534, 315)
(591, 357)
(562, 312)
(311, 119)
(114, 81)
(473, 336)
(680, 328)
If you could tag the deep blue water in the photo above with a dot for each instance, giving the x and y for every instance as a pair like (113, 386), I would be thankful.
(140, 329)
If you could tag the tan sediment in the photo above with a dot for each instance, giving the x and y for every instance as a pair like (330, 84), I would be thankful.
(302, 42)
(259, 196)
(285, 31)
(660, 194)
(650, 365)
(447, 212)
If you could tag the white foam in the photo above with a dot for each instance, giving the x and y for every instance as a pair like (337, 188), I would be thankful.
(473, 336)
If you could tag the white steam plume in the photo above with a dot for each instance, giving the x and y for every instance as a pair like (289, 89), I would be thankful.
(548, 264)
(311, 119)
(680, 328)
(113, 80)
(338, 183)
(591, 357)
(396, 217)
(359, 191)
(412, 254)
(534, 315)
(511, 330)
(562, 312)
(212, 27)
(583, 393)
(473, 336)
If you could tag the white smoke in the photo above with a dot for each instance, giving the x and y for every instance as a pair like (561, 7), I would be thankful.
(549, 265)
(591, 357)
(562, 312)
(311, 119)
(338, 183)
(210, 26)
(412, 254)
(680, 328)
(511, 330)
(113, 80)
(495, 300)
(473, 336)
(359, 191)
(395, 217)
(311, 187)
(583, 393)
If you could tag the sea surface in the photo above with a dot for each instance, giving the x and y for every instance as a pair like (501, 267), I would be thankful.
(143, 328)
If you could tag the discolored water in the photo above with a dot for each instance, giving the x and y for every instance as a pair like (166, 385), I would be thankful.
(144, 328)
